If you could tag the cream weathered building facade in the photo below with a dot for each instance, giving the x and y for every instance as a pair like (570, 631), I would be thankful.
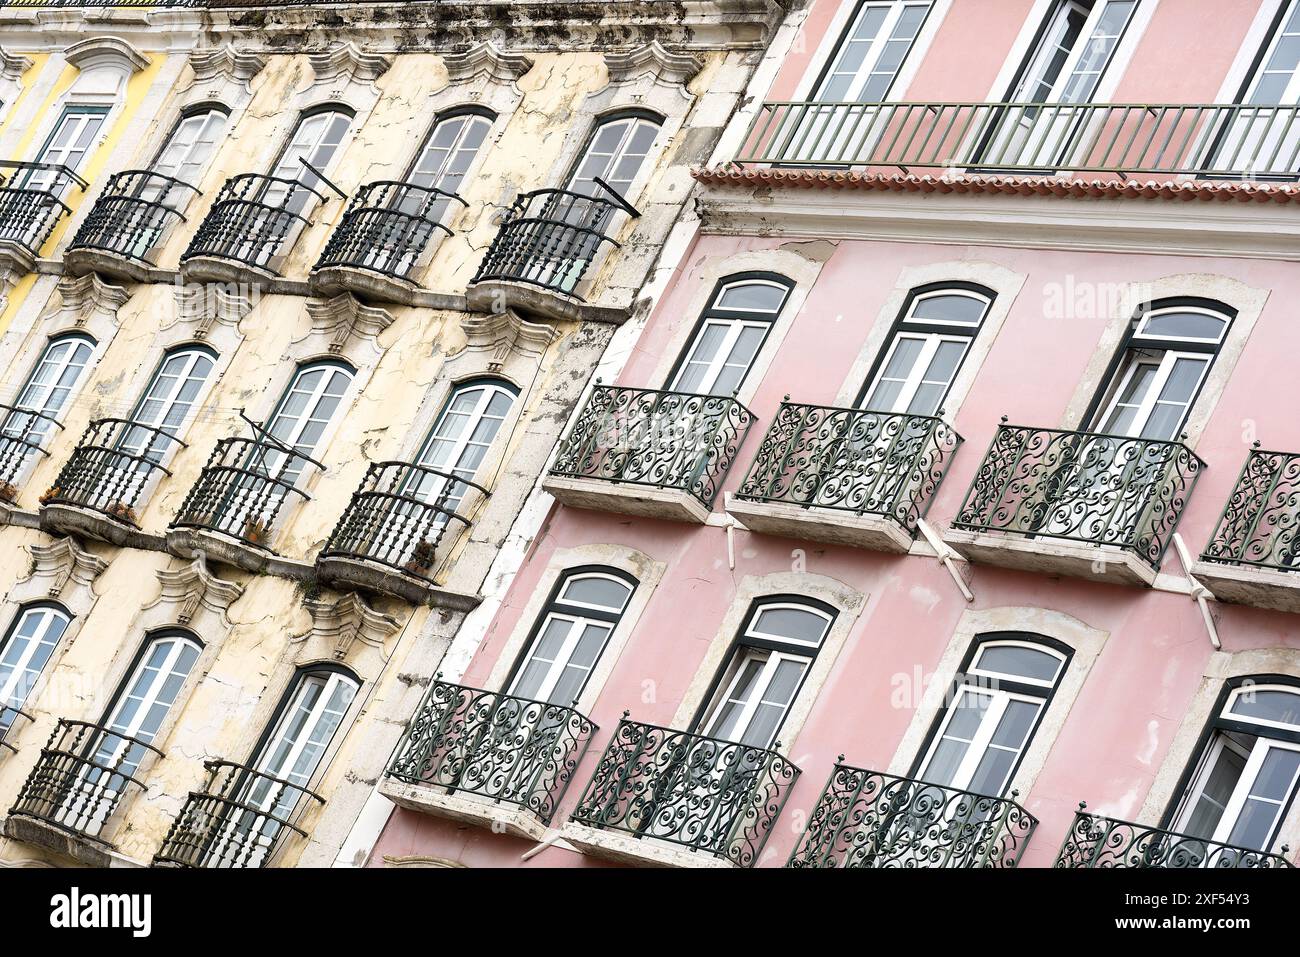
(296, 302)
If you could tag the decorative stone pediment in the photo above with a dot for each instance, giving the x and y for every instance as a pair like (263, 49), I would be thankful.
(208, 305)
(225, 61)
(676, 69)
(105, 51)
(502, 333)
(192, 587)
(349, 61)
(13, 65)
(486, 57)
(339, 625)
(86, 298)
(64, 561)
(344, 321)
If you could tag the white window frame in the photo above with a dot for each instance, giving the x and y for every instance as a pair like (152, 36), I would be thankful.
(734, 327)
(867, 68)
(22, 663)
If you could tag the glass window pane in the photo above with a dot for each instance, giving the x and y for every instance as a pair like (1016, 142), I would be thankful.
(1282, 707)
(949, 308)
(793, 624)
(599, 591)
(1018, 661)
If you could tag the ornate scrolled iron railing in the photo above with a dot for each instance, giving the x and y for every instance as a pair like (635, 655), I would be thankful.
(497, 746)
(1261, 520)
(132, 214)
(237, 819)
(671, 440)
(8, 716)
(386, 228)
(253, 220)
(401, 516)
(1096, 841)
(243, 489)
(1082, 486)
(868, 819)
(22, 435)
(30, 206)
(1196, 139)
(868, 463)
(111, 468)
(550, 237)
(80, 776)
(706, 794)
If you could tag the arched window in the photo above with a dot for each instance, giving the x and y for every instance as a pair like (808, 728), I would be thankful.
(306, 410)
(571, 634)
(614, 153)
(1245, 774)
(42, 399)
(929, 341)
(32, 637)
(185, 154)
(756, 686)
(461, 438)
(730, 333)
(316, 140)
(168, 402)
(1159, 369)
(447, 153)
(993, 710)
(266, 794)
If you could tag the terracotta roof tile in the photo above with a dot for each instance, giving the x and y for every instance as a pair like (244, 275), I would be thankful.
(1185, 190)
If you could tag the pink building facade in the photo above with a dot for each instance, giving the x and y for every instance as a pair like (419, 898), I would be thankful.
(950, 484)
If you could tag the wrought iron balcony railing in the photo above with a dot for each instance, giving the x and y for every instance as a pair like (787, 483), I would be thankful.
(30, 206)
(133, 214)
(670, 440)
(1194, 139)
(857, 461)
(1096, 841)
(242, 490)
(9, 715)
(254, 220)
(1082, 486)
(402, 516)
(22, 435)
(387, 227)
(709, 795)
(868, 819)
(550, 237)
(1261, 520)
(506, 749)
(80, 776)
(112, 468)
(237, 819)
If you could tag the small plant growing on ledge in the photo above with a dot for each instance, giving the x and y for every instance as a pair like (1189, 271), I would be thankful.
(122, 512)
(50, 494)
(256, 532)
(422, 556)
(8, 492)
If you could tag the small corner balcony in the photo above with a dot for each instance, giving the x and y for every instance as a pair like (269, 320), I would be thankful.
(121, 236)
(22, 438)
(1253, 557)
(1097, 841)
(250, 230)
(111, 474)
(237, 507)
(674, 799)
(648, 452)
(30, 208)
(488, 759)
(543, 250)
(239, 818)
(70, 798)
(1081, 504)
(1145, 141)
(398, 532)
(382, 244)
(868, 819)
(844, 476)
